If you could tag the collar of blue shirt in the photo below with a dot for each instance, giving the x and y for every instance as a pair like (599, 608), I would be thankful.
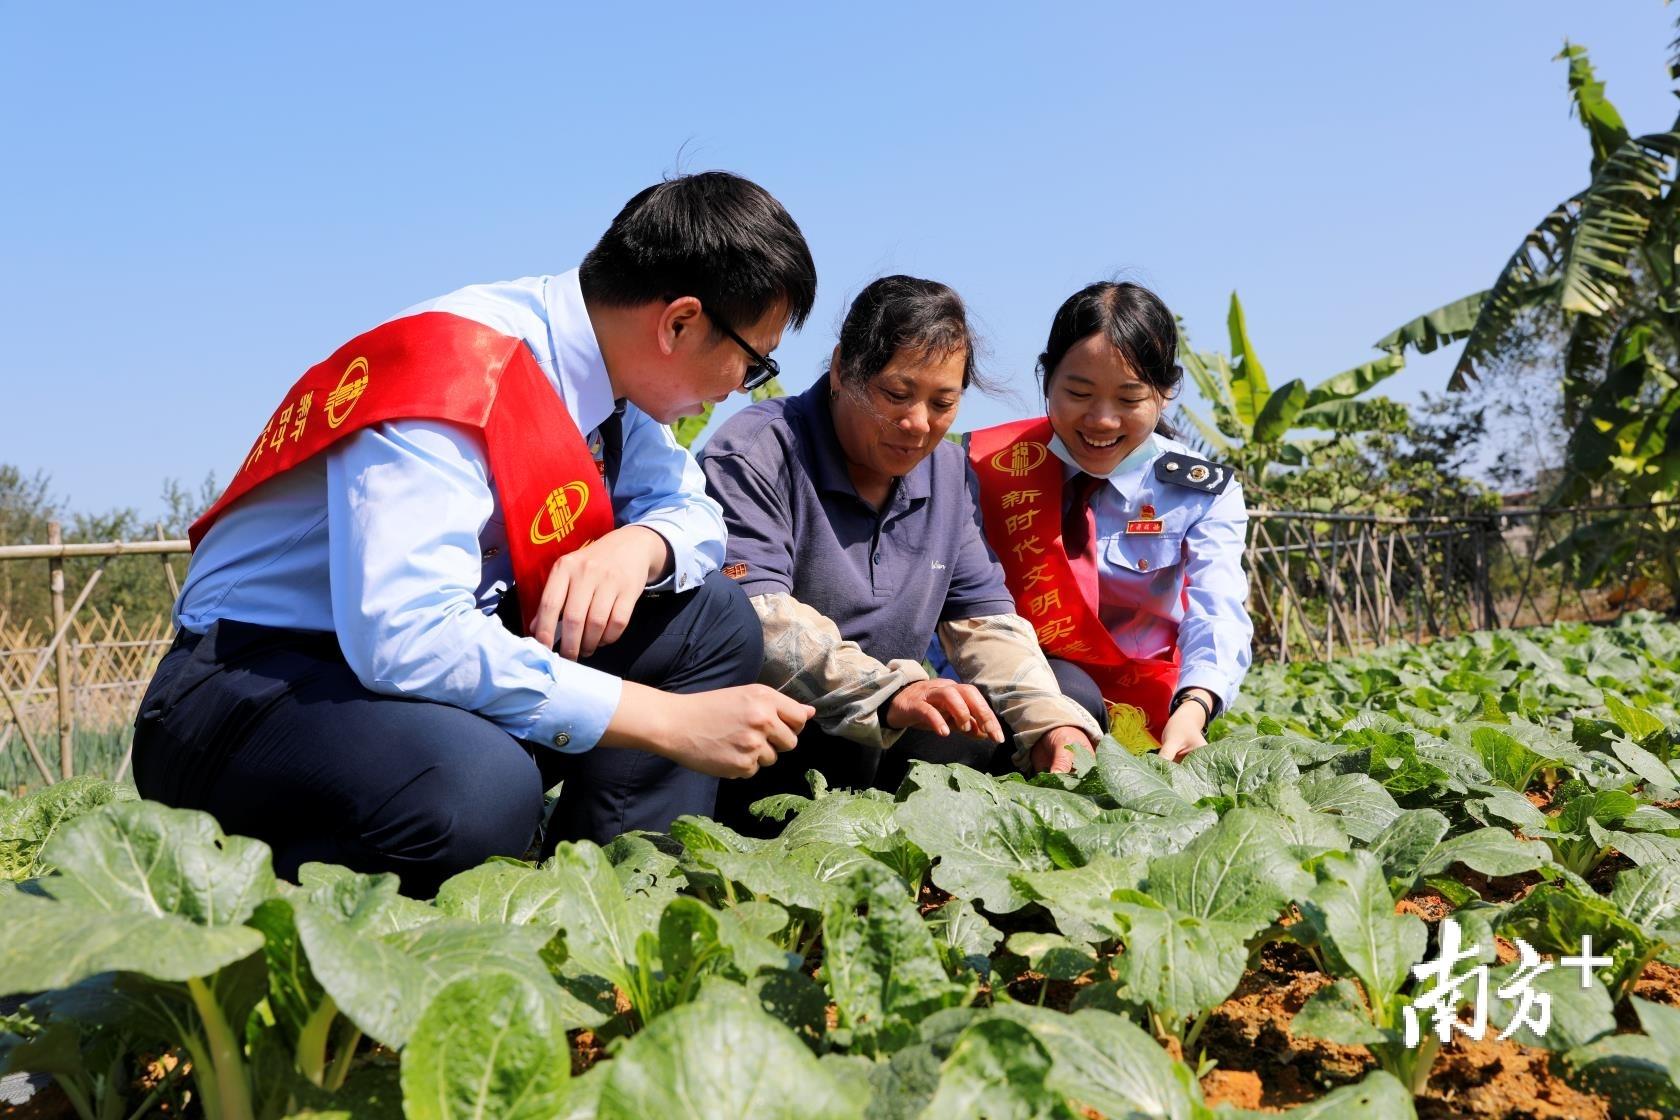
(578, 370)
(827, 460)
(1127, 476)
(548, 314)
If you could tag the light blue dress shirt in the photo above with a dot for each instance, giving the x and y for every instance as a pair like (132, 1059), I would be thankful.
(394, 539)
(1185, 584)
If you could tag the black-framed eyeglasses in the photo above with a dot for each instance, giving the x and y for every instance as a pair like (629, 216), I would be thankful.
(761, 369)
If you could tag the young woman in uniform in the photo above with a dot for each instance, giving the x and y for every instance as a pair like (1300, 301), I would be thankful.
(1121, 548)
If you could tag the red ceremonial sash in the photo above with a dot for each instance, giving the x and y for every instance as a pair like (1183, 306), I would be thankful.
(1021, 506)
(437, 366)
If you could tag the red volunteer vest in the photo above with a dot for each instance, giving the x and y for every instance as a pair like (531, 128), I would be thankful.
(1021, 506)
(437, 366)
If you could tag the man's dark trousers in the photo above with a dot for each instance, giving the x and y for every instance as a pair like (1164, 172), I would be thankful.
(270, 731)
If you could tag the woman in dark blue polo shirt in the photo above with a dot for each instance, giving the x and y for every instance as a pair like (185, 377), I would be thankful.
(853, 530)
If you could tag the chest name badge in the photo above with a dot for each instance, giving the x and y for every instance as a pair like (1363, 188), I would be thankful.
(1146, 521)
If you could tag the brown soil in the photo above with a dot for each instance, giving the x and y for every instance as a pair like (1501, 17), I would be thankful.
(1490, 1078)
(586, 1051)
(1430, 905)
(1604, 875)
(1249, 1034)
(931, 899)
(1058, 995)
(1659, 983)
(1502, 890)
(1238, 1088)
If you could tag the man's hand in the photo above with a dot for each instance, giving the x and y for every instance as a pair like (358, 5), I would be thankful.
(1053, 753)
(939, 705)
(591, 591)
(727, 733)
(1186, 728)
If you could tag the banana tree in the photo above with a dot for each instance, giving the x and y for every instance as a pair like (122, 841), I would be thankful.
(1602, 269)
(1260, 429)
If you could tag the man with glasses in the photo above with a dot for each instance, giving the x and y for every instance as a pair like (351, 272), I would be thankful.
(760, 370)
(465, 559)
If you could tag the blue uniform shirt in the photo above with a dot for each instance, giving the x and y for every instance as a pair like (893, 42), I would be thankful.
(394, 539)
(1144, 601)
(886, 578)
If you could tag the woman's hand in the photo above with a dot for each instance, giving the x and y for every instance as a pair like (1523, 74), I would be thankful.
(939, 705)
(1053, 753)
(1186, 728)
(591, 591)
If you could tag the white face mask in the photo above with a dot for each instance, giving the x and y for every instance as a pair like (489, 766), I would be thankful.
(1137, 458)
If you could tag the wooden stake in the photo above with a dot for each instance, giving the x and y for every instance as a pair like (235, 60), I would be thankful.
(61, 659)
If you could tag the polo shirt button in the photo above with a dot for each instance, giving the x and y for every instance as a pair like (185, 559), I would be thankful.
(877, 558)
(562, 739)
(1143, 565)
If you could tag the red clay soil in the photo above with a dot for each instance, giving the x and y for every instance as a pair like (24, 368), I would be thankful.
(1260, 1064)
(1659, 983)
(1430, 905)
(1503, 1080)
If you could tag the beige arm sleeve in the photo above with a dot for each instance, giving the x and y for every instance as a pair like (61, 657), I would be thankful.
(806, 658)
(1000, 654)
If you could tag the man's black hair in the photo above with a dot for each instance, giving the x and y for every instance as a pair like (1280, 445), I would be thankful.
(713, 235)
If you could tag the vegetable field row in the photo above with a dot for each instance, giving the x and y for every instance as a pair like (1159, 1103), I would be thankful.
(1232, 935)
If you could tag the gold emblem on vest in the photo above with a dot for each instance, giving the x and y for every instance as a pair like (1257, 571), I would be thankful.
(349, 390)
(1016, 461)
(559, 513)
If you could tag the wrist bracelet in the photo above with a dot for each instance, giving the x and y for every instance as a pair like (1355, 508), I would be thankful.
(1182, 698)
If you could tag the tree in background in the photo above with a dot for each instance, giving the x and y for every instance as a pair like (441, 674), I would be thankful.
(1595, 288)
(26, 505)
(136, 584)
(1327, 448)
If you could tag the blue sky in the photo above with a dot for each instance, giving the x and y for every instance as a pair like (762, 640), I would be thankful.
(199, 202)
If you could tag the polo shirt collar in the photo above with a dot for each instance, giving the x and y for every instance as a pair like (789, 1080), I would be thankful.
(828, 467)
(579, 370)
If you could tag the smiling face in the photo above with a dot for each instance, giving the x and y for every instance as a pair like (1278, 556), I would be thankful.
(1099, 406)
(897, 418)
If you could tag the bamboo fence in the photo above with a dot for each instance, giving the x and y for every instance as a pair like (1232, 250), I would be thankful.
(1324, 584)
(91, 668)
(1321, 586)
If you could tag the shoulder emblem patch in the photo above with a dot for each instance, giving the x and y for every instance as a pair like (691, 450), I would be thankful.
(1193, 473)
